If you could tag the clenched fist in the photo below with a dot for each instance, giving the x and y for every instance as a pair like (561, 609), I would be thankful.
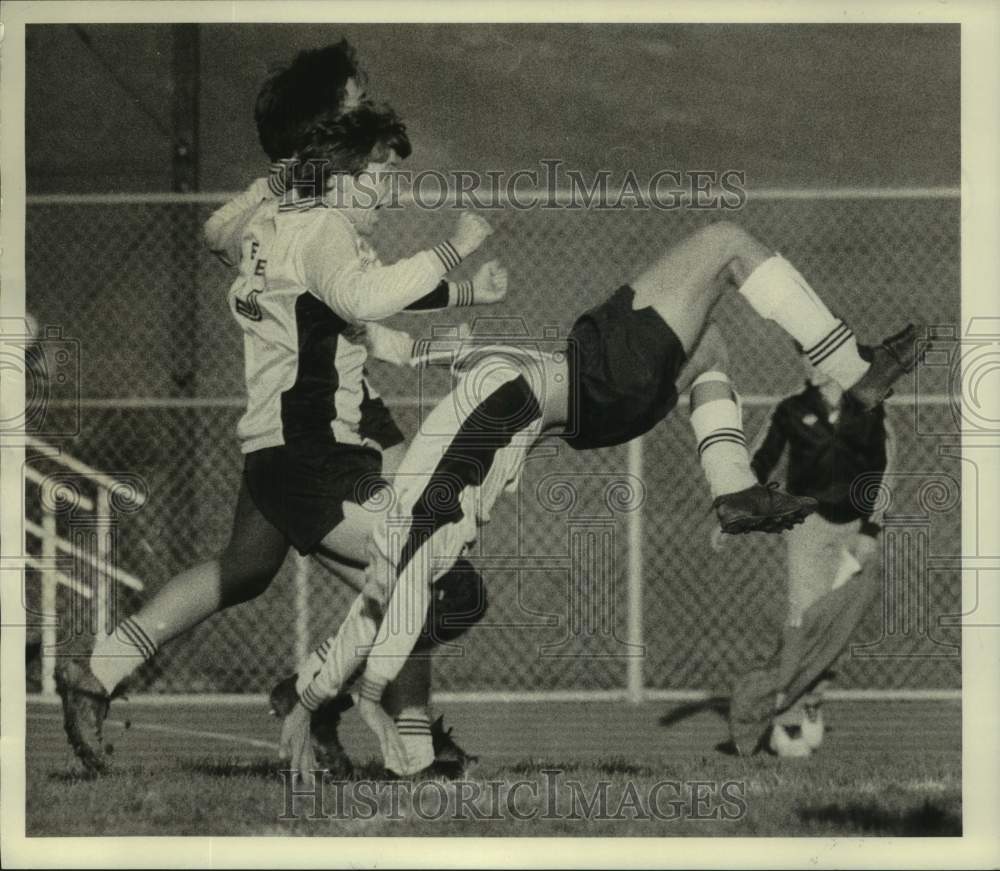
(470, 232)
(489, 284)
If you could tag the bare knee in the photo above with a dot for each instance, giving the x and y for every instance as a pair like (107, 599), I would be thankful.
(740, 251)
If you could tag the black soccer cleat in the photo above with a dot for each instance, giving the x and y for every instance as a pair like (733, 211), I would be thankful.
(450, 760)
(896, 356)
(761, 509)
(85, 705)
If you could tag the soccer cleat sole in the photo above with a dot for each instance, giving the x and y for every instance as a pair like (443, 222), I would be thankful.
(896, 357)
(79, 705)
(771, 523)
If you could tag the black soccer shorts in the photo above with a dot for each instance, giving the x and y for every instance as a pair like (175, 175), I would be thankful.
(623, 367)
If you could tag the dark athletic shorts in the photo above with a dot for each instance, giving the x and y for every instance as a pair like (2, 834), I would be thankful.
(623, 365)
(301, 487)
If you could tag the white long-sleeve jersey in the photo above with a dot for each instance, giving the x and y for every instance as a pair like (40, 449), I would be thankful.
(308, 283)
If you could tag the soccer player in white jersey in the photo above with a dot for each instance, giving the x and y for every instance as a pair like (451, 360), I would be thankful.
(622, 369)
(308, 459)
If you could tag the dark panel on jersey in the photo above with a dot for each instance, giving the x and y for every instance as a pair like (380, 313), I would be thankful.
(308, 406)
(468, 460)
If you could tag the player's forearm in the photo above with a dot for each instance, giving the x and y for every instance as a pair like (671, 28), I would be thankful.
(376, 294)
(400, 629)
(346, 654)
(447, 294)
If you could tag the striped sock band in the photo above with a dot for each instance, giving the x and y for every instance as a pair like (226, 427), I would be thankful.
(777, 291)
(137, 636)
(724, 434)
(119, 653)
(718, 430)
(414, 728)
(829, 344)
(447, 254)
(464, 294)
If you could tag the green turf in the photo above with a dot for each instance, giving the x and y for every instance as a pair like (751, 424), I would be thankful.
(230, 796)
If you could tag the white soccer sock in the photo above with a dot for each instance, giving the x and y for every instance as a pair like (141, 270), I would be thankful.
(718, 430)
(117, 655)
(414, 727)
(779, 293)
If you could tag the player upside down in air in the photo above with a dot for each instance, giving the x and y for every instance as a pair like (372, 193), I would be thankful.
(311, 434)
(837, 453)
(625, 363)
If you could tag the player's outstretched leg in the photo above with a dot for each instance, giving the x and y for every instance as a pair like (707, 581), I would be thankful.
(688, 280)
(741, 503)
(87, 685)
(778, 292)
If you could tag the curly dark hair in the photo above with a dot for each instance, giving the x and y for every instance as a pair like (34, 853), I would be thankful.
(295, 97)
(347, 144)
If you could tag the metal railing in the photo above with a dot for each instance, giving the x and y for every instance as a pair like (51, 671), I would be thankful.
(88, 542)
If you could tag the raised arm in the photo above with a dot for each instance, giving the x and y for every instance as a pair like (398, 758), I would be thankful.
(336, 275)
(224, 229)
(489, 286)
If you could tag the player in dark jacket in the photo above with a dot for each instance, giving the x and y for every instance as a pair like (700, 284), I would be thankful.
(832, 445)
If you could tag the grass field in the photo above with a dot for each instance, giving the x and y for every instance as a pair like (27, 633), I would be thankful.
(886, 768)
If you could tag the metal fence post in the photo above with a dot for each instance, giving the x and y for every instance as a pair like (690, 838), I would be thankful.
(636, 679)
(301, 607)
(48, 609)
(102, 579)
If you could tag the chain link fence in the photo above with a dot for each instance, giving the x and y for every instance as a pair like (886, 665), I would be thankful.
(156, 390)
